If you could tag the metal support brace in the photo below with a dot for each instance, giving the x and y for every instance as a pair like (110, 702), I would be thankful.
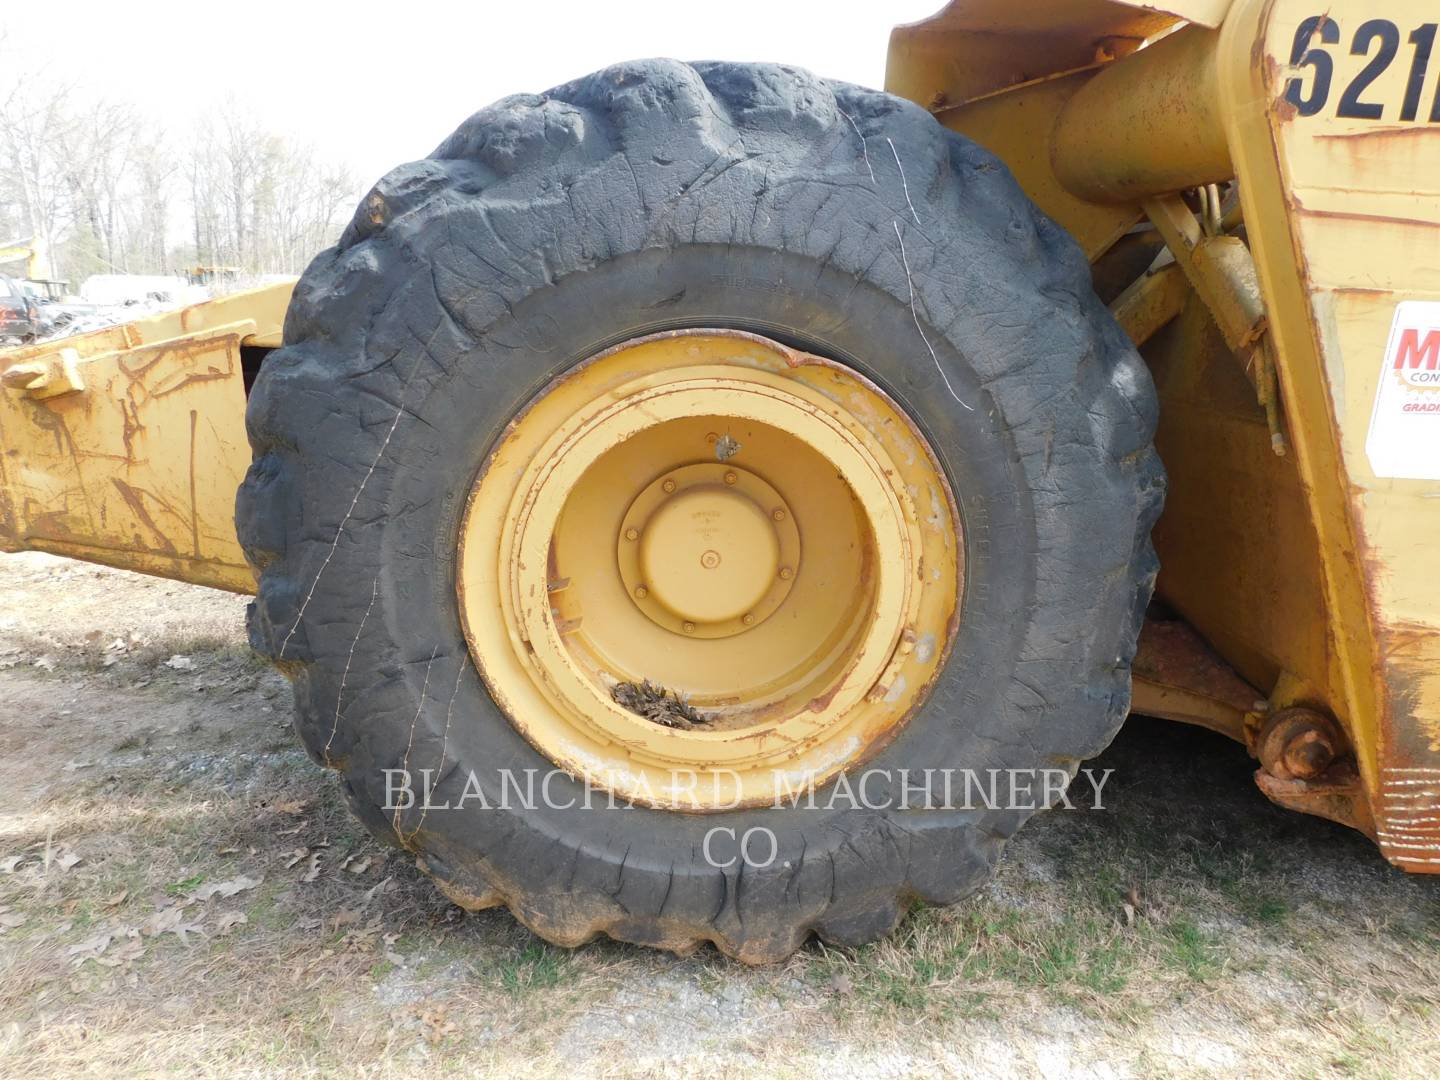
(1222, 271)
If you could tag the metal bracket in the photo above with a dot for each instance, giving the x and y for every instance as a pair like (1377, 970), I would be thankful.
(51, 377)
(1222, 271)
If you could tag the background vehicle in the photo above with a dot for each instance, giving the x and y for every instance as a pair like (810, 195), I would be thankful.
(715, 419)
(22, 318)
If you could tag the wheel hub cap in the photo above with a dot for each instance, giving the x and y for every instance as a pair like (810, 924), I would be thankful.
(702, 550)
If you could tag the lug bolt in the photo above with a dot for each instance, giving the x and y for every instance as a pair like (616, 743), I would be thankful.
(730, 478)
(747, 618)
(777, 514)
(689, 628)
(786, 573)
(632, 534)
(668, 486)
(641, 592)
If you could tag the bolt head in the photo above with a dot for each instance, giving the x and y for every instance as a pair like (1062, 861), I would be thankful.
(689, 628)
(786, 573)
(730, 478)
(777, 514)
(668, 486)
(641, 592)
(747, 618)
(632, 534)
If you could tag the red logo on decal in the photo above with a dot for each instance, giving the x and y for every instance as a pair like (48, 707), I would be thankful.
(1415, 353)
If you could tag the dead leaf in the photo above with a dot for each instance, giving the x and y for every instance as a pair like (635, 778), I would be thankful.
(66, 859)
(225, 888)
(295, 856)
(9, 863)
(90, 948)
(293, 807)
(116, 900)
(11, 919)
(46, 662)
(314, 871)
(375, 891)
(291, 832)
(172, 921)
(344, 917)
(840, 984)
(180, 663)
(125, 953)
(356, 863)
(229, 920)
(436, 1022)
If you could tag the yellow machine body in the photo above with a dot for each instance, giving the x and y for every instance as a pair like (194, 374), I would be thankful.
(1257, 184)
(1312, 329)
(125, 445)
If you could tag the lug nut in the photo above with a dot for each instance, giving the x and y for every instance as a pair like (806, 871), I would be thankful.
(730, 478)
(641, 592)
(668, 486)
(786, 573)
(632, 534)
(747, 618)
(689, 628)
(777, 514)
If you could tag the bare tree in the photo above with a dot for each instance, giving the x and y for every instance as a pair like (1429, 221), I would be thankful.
(33, 119)
(96, 184)
(260, 201)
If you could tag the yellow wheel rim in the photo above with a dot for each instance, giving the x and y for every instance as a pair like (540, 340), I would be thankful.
(757, 530)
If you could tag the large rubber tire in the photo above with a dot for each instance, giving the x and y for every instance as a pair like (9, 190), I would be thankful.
(655, 195)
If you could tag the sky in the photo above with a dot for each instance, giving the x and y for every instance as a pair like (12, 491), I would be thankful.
(372, 85)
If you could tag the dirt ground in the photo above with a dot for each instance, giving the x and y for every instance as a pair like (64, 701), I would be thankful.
(182, 892)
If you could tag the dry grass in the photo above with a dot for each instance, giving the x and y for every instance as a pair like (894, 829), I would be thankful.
(1189, 929)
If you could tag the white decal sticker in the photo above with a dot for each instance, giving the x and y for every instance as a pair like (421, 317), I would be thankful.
(1404, 439)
